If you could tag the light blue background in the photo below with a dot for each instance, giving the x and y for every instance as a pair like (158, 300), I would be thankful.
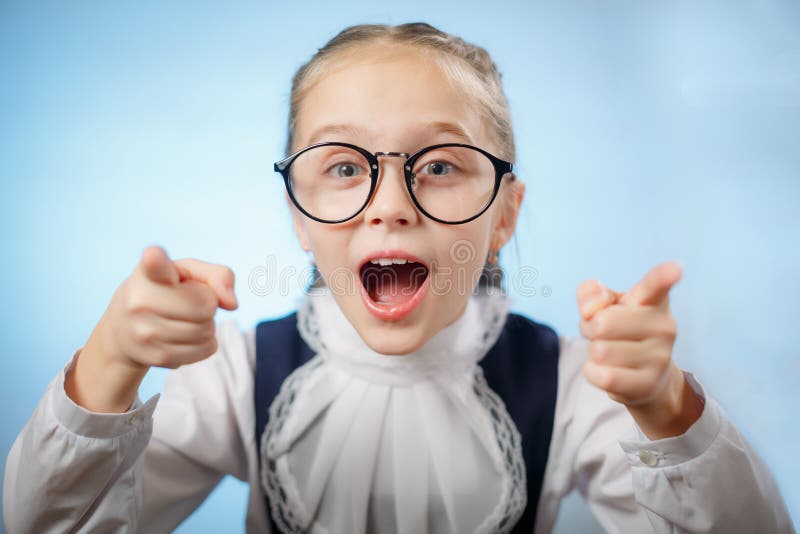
(645, 132)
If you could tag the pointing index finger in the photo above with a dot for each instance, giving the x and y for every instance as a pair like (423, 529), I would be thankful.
(655, 286)
(158, 267)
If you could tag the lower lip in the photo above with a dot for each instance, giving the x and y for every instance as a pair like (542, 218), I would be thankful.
(394, 312)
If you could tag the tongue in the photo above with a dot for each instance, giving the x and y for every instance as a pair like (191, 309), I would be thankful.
(393, 284)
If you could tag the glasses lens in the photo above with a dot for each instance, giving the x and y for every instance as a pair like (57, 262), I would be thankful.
(330, 182)
(453, 183)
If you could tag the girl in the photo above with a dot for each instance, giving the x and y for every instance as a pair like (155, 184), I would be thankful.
(401, 396)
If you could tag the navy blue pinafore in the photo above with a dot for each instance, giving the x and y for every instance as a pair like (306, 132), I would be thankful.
(521, 367)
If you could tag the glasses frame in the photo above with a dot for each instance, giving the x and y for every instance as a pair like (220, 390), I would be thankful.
(501, 168)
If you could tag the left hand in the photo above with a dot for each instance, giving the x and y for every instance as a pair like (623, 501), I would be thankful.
(630, 351)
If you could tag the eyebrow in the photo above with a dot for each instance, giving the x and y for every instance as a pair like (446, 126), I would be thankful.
(430, 130)
(335, 130)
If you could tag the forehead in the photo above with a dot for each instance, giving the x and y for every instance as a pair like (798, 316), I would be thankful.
(387, 99)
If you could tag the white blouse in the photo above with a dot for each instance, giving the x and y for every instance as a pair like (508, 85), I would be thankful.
(364, 442)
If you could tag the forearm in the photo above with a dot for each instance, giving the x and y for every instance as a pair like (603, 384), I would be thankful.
(69, 467)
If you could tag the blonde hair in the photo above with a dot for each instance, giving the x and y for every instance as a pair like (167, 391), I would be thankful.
(468, 68)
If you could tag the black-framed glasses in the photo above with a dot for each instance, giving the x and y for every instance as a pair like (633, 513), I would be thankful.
(452, 183)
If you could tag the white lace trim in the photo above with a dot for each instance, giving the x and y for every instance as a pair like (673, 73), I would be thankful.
(515, 493)
(286, 506)
(308, 326)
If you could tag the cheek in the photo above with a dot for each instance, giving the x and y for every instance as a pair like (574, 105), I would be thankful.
(330, 245)
(469, 246)
(462, 257)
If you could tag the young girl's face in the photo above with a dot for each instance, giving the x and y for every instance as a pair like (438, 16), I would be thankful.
(395, 100)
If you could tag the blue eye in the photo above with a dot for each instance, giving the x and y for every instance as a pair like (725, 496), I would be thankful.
(437, 168)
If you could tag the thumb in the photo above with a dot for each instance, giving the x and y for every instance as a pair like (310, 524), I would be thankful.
(593, 296)
(218, 277)
(157, 266)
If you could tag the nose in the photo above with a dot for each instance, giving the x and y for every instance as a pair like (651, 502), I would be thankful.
(391, 204)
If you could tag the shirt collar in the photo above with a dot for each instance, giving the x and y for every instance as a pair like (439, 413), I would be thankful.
(458, 346)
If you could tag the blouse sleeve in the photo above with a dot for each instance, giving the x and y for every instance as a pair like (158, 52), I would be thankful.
(144, 470)
(708, 479)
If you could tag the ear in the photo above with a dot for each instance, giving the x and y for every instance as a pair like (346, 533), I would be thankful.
(511, 196)
(299, 221)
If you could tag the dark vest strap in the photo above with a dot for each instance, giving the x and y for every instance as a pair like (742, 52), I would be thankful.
(279, 351)
(521, 367)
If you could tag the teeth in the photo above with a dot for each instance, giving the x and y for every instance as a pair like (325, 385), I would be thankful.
(388, 261)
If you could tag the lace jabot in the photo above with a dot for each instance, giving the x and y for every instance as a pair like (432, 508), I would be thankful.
(359, 441)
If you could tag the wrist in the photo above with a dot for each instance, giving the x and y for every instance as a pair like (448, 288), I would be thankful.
(104, 380)
(673, 412)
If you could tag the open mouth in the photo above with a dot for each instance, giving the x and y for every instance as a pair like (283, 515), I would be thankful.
(392, 286)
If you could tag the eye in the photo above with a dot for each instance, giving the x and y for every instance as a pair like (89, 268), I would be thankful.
(437, 168)
(345, 170)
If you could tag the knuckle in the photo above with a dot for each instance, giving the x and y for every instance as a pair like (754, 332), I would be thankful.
(585, 329)
(207, 303)
(202, 300)
(667, 330)
(136, 304)
(208, 330)
(600, 324)
(599, 350)
(160, 358)
(673, 330)
(662, 359)
(666, 326)
(143, 333)
(601, 377)
(608, 381)
(605, 351)
(166, 360)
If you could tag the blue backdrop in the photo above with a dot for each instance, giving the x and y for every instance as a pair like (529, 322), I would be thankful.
(645, 132)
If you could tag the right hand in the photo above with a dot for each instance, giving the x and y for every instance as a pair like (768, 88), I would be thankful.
(162, 315)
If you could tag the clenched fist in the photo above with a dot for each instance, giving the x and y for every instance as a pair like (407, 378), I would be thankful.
(631, 336)
(162, 315)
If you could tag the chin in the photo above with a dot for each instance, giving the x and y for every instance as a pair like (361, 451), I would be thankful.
(394, 341)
